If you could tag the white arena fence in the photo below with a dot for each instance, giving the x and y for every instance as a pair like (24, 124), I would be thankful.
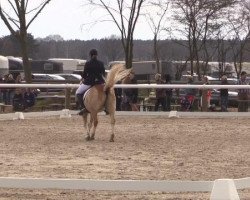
(139, 86)
(221, 189)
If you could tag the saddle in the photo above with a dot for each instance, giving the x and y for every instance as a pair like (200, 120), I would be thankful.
(99, 87)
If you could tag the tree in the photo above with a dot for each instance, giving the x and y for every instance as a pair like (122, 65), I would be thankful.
(18, 25)
(10, 46)
(111, 47)
(240, 31)
(156, 22)
(197, 18)
(124, 15)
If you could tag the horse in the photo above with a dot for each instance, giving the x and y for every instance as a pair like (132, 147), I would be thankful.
(100, 97)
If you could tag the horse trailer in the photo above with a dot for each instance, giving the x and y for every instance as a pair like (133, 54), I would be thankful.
(146, 70)
(46, 67)
(15, 66)
(37, 66)
(4, 66)
(70, 65)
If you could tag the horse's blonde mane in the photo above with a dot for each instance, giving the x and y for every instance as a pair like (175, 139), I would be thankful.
(116, 73)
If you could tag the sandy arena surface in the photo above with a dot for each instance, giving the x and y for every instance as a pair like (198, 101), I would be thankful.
(156, 148)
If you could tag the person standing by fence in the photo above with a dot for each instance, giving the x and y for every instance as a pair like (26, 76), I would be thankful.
(10, 91)
(190, 94)
(205, 96)
(224, 95)
(169, 93)
(160, 94)
(118, 96)
(130, 95)
(1, 93)
(243, 94)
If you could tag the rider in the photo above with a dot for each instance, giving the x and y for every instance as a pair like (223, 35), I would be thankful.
(93, 74)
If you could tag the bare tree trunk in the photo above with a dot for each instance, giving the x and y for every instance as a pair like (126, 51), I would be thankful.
(25, 57)
(156, 54)
(20, 9)
(125, 24)
(24, 45)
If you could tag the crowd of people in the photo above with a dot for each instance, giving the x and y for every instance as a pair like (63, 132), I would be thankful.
(22, 99)
(127, 99)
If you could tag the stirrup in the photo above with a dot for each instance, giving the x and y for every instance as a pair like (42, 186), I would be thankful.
(82, 111)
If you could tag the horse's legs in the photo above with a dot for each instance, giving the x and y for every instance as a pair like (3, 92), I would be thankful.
(95, 120)
(86, 125)
(112, 122)
(88, 137)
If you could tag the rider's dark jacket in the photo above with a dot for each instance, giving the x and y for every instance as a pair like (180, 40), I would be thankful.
(94, 72)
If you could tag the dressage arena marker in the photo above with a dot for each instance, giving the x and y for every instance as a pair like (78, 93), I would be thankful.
(18, 115)
(224, 189)
(65, 113)
(173, 114)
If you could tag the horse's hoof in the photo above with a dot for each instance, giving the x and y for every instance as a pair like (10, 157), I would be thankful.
(88, 138)
(112, 138)
(92, 137)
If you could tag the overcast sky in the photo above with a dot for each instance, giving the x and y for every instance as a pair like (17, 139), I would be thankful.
(67, 18)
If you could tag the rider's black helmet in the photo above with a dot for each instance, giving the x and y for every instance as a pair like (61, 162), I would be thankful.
(93, 52)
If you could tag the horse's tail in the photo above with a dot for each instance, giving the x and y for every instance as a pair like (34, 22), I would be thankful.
(116, 73)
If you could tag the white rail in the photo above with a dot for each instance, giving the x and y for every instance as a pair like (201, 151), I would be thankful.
(221, 189)
(142, 86)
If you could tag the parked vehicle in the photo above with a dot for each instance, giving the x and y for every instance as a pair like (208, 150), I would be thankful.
(215, 98)
(232, 97)
(48, 78)
(80, 72)
(71, 77)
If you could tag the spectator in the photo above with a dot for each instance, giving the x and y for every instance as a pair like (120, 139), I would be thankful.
(224, 95)
(18, 79)
(130, 95)
(1, 93)
(17, 100)
(29, 99)
(160, 94)
(188, 100)
(4, 90)
(243, 93)
(169, 93)
(10, 91)
(118, 95)
(208, 92)
(191, 91)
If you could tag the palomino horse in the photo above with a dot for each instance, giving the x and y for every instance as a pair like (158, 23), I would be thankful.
(100, 97)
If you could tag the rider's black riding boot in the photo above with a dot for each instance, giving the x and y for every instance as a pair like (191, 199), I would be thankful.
(81, 104)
